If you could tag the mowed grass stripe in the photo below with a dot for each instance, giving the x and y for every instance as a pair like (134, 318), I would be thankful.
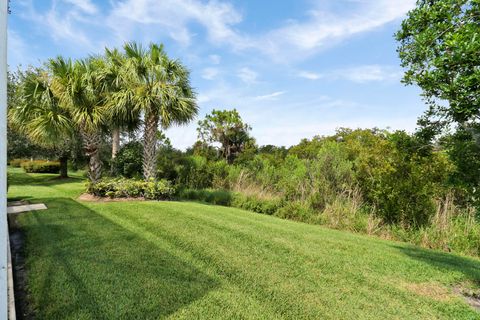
(180, 260)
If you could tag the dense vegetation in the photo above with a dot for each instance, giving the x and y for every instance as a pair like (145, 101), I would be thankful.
(179, 260)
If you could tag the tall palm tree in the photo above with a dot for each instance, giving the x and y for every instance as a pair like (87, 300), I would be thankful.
(79, 88)
(40, 116)
(120, 118)
(159, 87)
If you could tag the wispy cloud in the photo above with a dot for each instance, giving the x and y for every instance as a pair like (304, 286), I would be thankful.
(368, 73)
(209, 73)
(172, 18)
(309, 75)
(358, 74)
(271, 96)
(64, 23)
(247, 75)
(70, 20)
(324, 28)
(85, 5)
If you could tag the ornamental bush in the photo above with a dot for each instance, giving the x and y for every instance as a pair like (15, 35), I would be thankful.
(131, 188)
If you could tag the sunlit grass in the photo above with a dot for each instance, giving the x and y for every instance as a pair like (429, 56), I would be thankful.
(180, 260)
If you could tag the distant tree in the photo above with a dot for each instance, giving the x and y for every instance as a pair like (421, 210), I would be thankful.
(227, 128)
(439, 46)
(203, 149)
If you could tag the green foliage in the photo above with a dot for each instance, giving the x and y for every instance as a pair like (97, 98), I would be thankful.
(128, 161)
(227, 128)
(131, 188)
(234, 199)
(463, 149)
(41, 166)
(256, 204)
(397, 175)
(218, 197)
(438, 45)
(194, 172)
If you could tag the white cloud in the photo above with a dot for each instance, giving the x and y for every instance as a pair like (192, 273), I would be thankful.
(247, 75)
(173, 17)
(209, 73)
(271, 96)
(367, 73)
(309, 75)
(65, 24)
(85, 5)
(72, 20)
(324, 28)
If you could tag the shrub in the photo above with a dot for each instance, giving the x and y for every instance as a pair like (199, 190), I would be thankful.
(218, 197)
(130, 188)
(128, 161)
(256, 204)
(296, 211)
(194, 172)
(16, 163)
(41, 166)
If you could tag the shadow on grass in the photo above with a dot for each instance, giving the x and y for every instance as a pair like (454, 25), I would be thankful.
(469, 267)
(39, 179)
(81, 265)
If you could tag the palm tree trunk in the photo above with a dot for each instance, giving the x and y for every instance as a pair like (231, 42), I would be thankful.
(115, 142)
(115, 148)
(91, 143)
(63, 167)
(149, 146)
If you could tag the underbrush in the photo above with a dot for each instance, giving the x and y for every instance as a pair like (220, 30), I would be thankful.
(451, 229)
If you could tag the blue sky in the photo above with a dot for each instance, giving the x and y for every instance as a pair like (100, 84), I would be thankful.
(293, 68)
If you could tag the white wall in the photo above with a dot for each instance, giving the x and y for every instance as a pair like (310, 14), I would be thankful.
(3, 159)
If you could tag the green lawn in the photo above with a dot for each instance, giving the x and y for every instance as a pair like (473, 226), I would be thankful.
(180, 260)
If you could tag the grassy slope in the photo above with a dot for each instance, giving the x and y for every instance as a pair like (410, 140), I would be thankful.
(190, 261)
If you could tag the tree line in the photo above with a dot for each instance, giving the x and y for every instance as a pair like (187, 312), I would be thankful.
(122, 90)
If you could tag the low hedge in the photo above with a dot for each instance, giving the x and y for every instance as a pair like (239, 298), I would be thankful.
(17, 163)
(41, 166)
(132, 188)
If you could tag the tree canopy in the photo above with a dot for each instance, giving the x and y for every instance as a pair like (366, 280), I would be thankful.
(439, 45)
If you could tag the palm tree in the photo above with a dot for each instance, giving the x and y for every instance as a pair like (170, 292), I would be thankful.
(120, 118)
(79, 88)
(158, 87)
(40, 116)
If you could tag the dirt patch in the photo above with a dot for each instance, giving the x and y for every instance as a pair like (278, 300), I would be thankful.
(17, 247)
(428, 289)
(91, 198)
(471, 293)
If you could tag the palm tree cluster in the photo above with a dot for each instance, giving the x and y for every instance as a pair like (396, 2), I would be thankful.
(125, 89)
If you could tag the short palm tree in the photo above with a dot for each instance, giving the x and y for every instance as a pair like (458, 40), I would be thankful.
(79, 88)
(40, 116)
(160, 89)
